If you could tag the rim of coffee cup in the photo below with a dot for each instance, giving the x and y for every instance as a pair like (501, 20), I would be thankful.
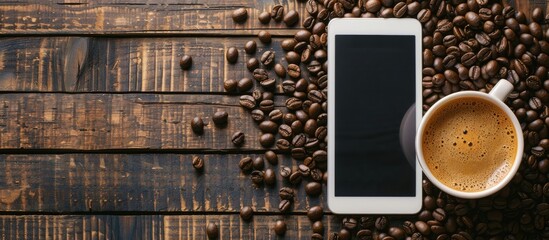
(494, 188)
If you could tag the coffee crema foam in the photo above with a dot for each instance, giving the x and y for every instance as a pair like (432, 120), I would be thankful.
(469, 144)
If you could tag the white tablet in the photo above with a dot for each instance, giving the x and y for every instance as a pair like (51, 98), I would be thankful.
(374, 79)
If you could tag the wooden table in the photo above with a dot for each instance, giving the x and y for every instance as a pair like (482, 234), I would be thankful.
(95, 115)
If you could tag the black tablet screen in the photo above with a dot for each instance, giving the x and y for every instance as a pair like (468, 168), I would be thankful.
(374, 87)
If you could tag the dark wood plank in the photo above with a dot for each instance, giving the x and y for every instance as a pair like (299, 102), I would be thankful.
(81, 64)
(209, 17)
(155, 227)
(138, 183)
(121, 121)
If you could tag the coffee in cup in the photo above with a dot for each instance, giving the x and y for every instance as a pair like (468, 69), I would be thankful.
(470, 143)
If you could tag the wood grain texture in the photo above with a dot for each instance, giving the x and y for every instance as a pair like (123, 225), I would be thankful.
(133, 17)
(121, 121)
(139, 183)
(99, 64)
(155, 227)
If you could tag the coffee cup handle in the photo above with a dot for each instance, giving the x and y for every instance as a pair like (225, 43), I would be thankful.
(502, 89)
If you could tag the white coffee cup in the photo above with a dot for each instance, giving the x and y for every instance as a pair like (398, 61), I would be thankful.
(496, 96)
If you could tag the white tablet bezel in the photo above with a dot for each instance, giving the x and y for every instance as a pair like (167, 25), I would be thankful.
(371, 26)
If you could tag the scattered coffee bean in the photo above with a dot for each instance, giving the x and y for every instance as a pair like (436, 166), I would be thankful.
(238, 139)
(257, 177)
(198, 163)
(277, 13)
(279, 70)
(230, 85)
(186, 62)
(250, 47)
(280, 227)
(291, 18)
(295, 178)
(285, 206)
(212, 231)
(269, 177)
(264, 37)
(268, 58)
(247, 102)
(286, 193)
(285, 172)
(313, 188)
(197, 125)
(245, 84)
(246, 213)
(271, 157)
(318, 227)
(264, 17)
(232, 55)
(315, 213)
(258, 163)
(246, 164)
(240, 15)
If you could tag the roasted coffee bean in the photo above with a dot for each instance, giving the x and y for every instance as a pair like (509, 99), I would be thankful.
(268, 84)
(198, 163)
(293, 57)
(295, 178)
(400, 9)
(285, 131)
(269, 177)
(285, 172)
(294, 71)
(268, 58)
(349, 223)
(381, 223)
(271, 157)
(285, 206)
(409, 227)
(423, 228)
(291, 18)
(277, 13)
(316, 175)
(260, 74)
(247, 102)
(288, 86)
(293, 103)
(439, 214)
(286, 193)
(535, 103)
(258, 163)
(264, 17)
(240, 15)
(364, 234)
(473, 19)
(257, 115)
(313, 189)
(314, 67)
(282, 144)
(230, 85)
(288, 44)
(317, 236)
(302, 36)
(304, 170)
(252, 64)
(244, 84)
(246, 164)
(185, 62)
(468, 59)
(257, 177)
(197, 125)
(424, 15)
(275, 115)
(232, 55)
(268, 126)
(318, 228)
(212, 231)
(309, 23)
(315, 213)
(246, 213)
(306, 55)
(280, 227)
(266, 106)
(264, 37)
(310, 127)
(238, 139)
(250, 47)
(396, 233)
(280, 70)
(267, 140)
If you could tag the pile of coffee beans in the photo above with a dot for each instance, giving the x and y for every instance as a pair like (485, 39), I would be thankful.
(467, 45)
